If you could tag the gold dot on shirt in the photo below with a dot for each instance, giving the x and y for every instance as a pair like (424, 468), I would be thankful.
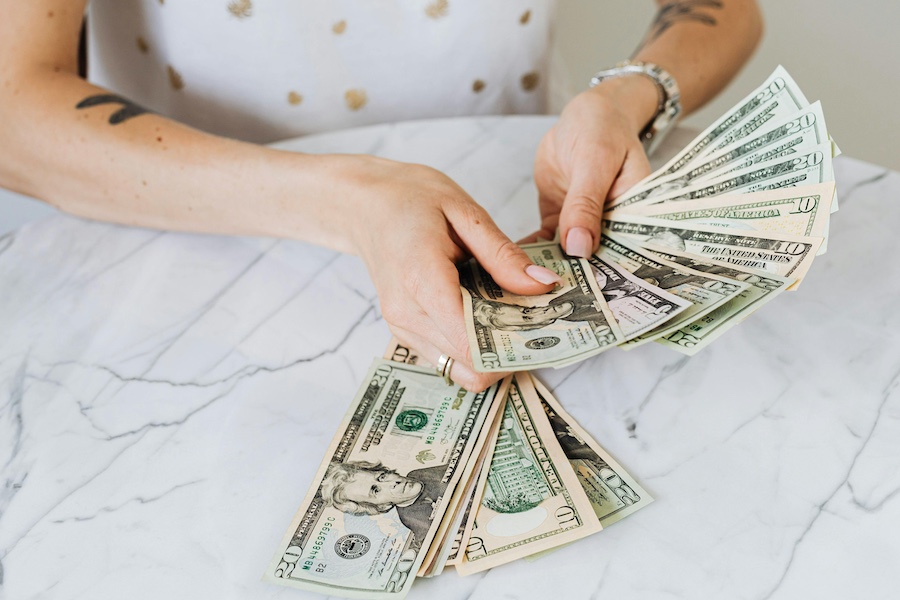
(526, 16)
(477, 85)
(339, 27)
(437, 9)
(355, 99)
(142, 44)
(241, 8)
(530, 81)
(294, 98)
(175, 79)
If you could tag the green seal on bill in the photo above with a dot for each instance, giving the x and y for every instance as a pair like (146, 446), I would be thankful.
(411, 420)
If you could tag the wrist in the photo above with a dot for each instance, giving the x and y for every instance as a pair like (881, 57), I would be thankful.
(305, 198)
(636, 96)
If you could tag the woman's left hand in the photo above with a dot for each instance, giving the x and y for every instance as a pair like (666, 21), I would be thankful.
(592, 153)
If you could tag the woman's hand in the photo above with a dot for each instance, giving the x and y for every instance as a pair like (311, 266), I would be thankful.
(411, 225)
(591, 154)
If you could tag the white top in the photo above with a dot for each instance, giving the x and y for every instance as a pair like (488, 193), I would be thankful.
(263, 70)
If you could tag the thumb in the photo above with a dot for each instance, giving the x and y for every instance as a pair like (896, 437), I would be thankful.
(582, 211)
(507, 263)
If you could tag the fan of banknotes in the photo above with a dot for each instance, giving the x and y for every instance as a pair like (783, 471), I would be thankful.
(733, 220)
(422, 475)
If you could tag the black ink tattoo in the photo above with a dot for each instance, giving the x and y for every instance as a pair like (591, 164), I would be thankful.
(680, 10)
(129, 109)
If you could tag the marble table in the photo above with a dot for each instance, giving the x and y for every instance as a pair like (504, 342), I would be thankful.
(165, 400)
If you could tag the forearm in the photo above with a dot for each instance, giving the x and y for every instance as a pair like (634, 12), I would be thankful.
(702, 43)
(149, 171)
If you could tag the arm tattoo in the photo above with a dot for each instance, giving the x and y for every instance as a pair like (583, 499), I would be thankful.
(129, 109)
(680, 10)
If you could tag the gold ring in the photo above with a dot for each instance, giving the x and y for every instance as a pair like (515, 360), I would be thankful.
(445, 363)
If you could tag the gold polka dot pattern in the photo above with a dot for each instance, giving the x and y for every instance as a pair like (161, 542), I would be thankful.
(356, 99)
(175, 79)
(437, 9)
(530, 81)
(241, 8)
(516, 84)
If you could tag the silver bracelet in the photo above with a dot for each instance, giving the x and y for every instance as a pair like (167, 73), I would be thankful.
(669, 107)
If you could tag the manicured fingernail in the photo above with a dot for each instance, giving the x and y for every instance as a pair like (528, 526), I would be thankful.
(579, 242)
(542, 275)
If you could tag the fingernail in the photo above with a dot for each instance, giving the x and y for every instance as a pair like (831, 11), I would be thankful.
(542, 275)
(579, 242)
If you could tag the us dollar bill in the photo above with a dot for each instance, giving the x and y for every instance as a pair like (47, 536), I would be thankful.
(762, 288)
(456, 552)
(790, 171)
(703, 291)
(508, 332)
(438, 552)
(797, 211)
(637, 306)
(778, 97)
(613, 492)
(778, 253)
(383, 487)
(446, 551)
(451, 545)
(532, 500)
(800, 134)
(463, 527)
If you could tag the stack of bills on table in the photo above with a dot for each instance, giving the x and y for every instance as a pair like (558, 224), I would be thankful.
(422, 476)
(734, 219)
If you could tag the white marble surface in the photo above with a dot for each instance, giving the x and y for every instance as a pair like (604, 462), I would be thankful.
(165, 400)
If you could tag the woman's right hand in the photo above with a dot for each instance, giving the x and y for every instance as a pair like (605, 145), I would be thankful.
(412, 225)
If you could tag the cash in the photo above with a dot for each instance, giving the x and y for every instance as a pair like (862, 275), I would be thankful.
(734, 219)
(699, 333)
(797, 212)
(779, 97)
(530, 497)
(508, 332)
(384, 486)
(703, 292)
(805, 212)
(637, 305)
(421, 476)
(802, 132)
(780, 254)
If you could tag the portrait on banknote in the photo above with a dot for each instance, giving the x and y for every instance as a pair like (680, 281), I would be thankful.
(370, 488)
(573, 306)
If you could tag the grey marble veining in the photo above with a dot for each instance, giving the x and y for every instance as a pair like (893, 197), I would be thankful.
(165, 400)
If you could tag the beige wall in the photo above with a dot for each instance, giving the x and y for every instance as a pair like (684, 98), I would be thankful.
(841, 52)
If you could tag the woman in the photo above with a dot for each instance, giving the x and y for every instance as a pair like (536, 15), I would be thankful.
(96, 153)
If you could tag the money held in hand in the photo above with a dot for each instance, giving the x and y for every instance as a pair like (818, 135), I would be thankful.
(749, 200)
(508, 332)
(422, 476)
